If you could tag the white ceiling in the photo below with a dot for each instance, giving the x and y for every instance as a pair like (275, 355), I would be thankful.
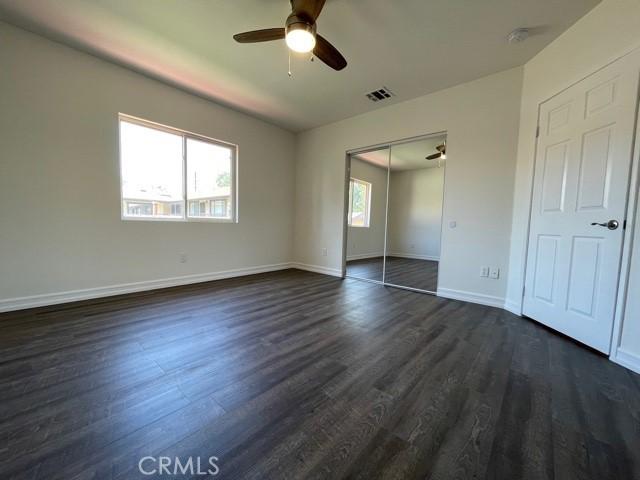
(405, 156)
(414, 47)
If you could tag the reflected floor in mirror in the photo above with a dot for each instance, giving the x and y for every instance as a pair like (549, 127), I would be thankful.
(367, 268)
(411, 272)
(407, 272)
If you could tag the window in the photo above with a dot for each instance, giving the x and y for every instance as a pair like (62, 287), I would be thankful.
(164, 169)
(137, 208)
(219, 208)
(176, 209)
(359, 203)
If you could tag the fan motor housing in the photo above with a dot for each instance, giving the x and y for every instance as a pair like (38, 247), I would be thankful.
(295, 22)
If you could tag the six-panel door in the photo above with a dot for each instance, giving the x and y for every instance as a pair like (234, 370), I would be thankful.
(581, 177)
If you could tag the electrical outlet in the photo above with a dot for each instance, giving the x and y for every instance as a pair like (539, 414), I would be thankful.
(484, 271)
(183, 258)
(494, 273)
(324, 252)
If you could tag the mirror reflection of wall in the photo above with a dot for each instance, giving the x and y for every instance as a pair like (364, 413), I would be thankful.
(416, 185)
(366, 216)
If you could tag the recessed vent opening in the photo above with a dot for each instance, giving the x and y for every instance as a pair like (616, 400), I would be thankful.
(380, 94)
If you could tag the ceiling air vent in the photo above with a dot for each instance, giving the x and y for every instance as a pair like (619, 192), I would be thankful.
(381, 94)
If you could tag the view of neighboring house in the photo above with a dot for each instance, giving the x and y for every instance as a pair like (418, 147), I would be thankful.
(152, 200)
(209, 195)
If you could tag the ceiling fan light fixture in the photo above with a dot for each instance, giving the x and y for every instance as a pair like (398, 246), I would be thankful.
(299, 33)
(301, 37)
(443, 156)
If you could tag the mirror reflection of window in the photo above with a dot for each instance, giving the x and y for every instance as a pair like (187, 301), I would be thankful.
(359, 203)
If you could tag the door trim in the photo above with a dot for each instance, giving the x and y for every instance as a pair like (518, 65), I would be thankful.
(617, 354)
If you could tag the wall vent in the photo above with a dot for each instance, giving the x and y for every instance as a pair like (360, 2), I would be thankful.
(380, 94)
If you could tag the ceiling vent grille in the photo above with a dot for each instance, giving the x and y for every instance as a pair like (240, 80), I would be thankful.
(380, 94)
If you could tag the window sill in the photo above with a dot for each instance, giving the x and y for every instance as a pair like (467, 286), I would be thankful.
(179, 220)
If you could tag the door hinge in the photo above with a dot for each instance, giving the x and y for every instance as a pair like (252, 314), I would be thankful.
(538, 131)
(524, 289)
(624, 224)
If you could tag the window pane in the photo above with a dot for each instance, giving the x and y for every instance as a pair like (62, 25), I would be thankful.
(151, 162)
(358, 205)
(209, 179)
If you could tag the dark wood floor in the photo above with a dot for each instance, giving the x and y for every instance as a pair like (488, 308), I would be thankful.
(298, 375)
(407, 272)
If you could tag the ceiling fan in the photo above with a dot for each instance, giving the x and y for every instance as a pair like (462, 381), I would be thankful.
(441, 155)
(300, 34)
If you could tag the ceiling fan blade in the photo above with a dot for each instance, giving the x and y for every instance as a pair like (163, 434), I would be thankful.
(307, 8)
(435, 156)
(328, 53)
(266, 35)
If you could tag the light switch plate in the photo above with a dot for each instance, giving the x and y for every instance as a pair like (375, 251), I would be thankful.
(494, 273)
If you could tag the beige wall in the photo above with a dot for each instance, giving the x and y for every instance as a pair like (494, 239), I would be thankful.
(415, 213)
(481, 120)
(369, 242)
(59, 178)
(607, 32)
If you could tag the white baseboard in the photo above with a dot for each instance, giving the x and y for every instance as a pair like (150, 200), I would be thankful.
(20, 303)
(334, 272)
(513, 307)
(433, 258)
(488, 300)
(626, 359)
(362, 256)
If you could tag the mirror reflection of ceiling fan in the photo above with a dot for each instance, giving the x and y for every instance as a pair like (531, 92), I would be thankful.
(441, 153)
(300, 34)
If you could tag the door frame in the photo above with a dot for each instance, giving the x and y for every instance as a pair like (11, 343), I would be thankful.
(633, 191)
(345, 221)
(633, 209)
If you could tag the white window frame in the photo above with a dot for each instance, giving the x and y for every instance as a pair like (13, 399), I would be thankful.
(367, 211)
(185, 201)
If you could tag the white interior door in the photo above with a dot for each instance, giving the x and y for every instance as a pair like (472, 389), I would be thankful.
(581, 177)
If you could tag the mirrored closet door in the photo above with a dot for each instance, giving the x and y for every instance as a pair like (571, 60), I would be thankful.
(394, 221)
(416, 183)
(366, 214)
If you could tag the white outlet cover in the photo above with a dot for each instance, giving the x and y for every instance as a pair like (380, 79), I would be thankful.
(453, 224)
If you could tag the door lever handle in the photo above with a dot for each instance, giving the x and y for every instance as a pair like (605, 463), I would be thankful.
(611, 224)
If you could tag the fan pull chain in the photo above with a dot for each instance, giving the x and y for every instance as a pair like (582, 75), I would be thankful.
(289, 52)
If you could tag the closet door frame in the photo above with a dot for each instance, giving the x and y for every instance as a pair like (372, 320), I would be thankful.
(345, 225)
